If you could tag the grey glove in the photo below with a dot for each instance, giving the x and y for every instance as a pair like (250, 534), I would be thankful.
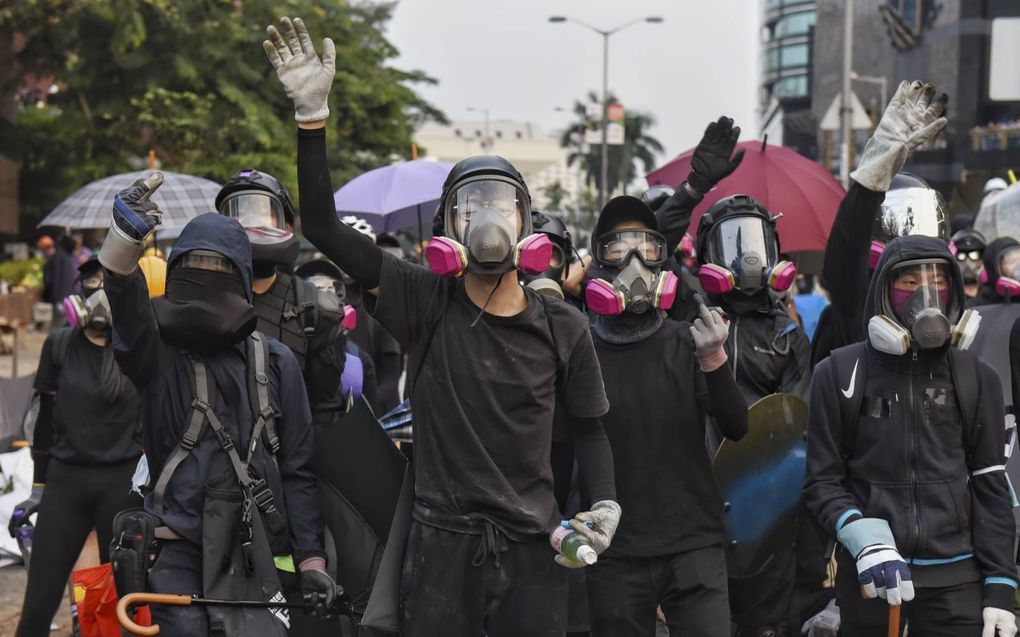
(709, 332)
(306, 79)
(605, 517)
(134, 219)
(912, 118)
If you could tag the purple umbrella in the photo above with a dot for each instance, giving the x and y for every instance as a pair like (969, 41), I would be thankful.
(394, 197)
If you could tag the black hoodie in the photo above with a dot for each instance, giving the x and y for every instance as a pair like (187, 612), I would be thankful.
(904, 460)
(991, 256)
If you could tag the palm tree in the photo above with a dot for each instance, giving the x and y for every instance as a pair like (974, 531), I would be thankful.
(638, 148)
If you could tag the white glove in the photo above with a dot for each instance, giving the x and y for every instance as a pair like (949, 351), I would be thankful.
(824, 624)
(709, 333)
(911, 119)
(998, 621)
(306, 79)
(605, 517)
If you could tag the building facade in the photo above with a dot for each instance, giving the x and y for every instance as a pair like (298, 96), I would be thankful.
(788, 28)
(946, 42)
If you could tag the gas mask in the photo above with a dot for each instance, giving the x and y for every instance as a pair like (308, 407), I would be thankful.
(968, 248)
(549, 281)
(93, 311)
(1008, 283)
(336, 287)
(742, 255)
(918, 308)
(262, 206)
(631, 261)
(487, 223)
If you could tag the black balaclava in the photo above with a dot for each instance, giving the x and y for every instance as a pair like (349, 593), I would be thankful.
(205, 310)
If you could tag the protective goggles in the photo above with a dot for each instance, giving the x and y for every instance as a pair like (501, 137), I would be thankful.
(498, 200)
(254, 208)
(206, 260)
(615, 248)
(919, 285)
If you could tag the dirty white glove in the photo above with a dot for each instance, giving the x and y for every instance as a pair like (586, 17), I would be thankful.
(998, 622)
(824, 624)
(306, 79)
(605, 517)
(913, 117)
(709, 332)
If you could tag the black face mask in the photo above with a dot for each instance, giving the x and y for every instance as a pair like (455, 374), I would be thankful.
(203, 310)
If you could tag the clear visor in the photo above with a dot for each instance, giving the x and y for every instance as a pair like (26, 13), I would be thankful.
(1008, 263)
(736, 238)
(910, 211)
(255, 208)
(914, 287)
(327, 284)
(92, 282)
(614, 248)
(206, 260)
(483, 202)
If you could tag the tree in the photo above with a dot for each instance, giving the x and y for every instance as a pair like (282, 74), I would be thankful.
(189, 79)
(555, 193)
(638, 148)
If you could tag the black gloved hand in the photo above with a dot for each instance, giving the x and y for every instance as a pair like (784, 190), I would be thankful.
(133, 213)
(24, 510)
(711, 162)
(319, 589)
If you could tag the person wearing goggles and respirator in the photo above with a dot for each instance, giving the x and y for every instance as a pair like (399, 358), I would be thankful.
(188, 352)
(917, 422)
(486, 360)
(740, 269)
(87, 439)
(662, 377)
(1000, 278)
(969, 252)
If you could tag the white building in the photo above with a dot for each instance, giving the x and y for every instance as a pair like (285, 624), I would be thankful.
(536, 154)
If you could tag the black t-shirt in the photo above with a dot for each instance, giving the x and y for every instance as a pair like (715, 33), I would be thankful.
(87, 427)
(483, 403)
(656, 425)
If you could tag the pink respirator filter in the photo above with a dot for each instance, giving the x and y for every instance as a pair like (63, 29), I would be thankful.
(782, 276)
(715, 279)
(533, 253)
(446, 257)
(1006, 286)
(602, 298)
(350, 320)
(665, 292)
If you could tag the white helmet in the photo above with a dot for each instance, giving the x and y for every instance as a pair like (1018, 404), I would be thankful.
(995, 183)
(360, 225)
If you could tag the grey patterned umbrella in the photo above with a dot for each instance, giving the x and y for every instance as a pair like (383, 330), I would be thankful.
(180, 198)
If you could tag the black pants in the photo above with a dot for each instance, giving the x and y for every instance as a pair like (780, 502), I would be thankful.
(689, 587)
(451, 589)
(950, 611)
(77, 499)
(763, 604)
(178, 570)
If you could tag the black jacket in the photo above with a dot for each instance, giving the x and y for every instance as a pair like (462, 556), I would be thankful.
(904, 459)
(160, 372)
(846, 271)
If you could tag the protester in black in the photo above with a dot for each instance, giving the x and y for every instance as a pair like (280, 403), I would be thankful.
(486, 359)
(86, 443)
(912, 118)
(205, 323)
(1001, 281)
(662, 378)
(905, 459)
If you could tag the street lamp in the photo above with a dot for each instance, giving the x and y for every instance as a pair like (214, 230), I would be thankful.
(485, 142)
(605, 85)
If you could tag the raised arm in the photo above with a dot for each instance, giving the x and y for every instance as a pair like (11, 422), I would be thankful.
(307, 81)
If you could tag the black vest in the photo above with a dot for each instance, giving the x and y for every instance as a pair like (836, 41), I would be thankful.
(280, 315)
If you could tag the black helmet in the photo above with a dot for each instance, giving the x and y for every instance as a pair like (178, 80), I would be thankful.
(911, 207)
(549, 224)
(256, 198)
(323, 274)
(657, 195)
(969, 240)
(732, 206)
(473, 168)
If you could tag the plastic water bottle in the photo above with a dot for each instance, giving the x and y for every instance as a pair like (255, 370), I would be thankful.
(572, 545)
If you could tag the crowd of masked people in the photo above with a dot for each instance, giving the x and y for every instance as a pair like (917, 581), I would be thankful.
(546, 388)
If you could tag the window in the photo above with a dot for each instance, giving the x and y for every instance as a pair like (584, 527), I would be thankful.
(794, 55)
(795, 86)
(795, 24)
(772, 59)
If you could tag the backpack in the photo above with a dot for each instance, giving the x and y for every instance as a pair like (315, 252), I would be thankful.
(851, 362)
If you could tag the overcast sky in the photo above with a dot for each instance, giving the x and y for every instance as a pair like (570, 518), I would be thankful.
(702, 61)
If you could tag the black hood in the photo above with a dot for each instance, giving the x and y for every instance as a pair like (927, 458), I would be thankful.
(993, 251)
(911, 248)
(217, 233)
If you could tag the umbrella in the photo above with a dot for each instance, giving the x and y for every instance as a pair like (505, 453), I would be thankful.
(783, 181)
(180, 198)
(999, 215)
(394, 197)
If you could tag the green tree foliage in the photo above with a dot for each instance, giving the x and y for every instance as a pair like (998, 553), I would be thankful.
(638, 148)
(189, 79)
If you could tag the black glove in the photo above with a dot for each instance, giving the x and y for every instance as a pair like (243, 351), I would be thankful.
(319, 589)
(25, 509)
(711, 162)
(133, 213)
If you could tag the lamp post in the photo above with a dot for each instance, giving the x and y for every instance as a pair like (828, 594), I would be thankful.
(486, 143)
(605, 86)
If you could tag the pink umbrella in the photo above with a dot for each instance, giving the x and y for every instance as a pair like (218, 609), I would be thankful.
(781, 179)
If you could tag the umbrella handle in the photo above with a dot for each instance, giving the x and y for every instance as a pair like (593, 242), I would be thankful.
(139, 599)
(894, 621)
